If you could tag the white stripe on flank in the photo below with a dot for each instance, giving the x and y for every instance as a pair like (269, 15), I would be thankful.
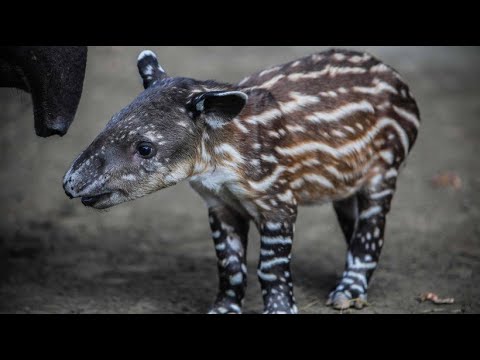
(350, 129)
(268, 84)
(407, 116)
(271, 263)
(337, 133)
(339, 56)
(264, 117)
(274, 134)
(381, 194)
(375, 90)
(275, 240)
(240, 126)
(341, 112)
(265, 72)
(266, 277)
(229, 149)
(269, 158)
(357, 59)
(328, 70)
(380, 68)
(333, 170)
(383, 106)
(294, 168)
(347, 149)
(287, 196)
(297, 183)
(400, 131)
(263, 205)
(244, 80)
(266, 182)
(311, 161)
(374, 210)
(299, 101)
(328, 93)
(295, 128)
(318, 179)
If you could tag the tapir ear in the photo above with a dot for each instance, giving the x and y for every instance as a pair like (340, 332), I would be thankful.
(149, 69)
(218, 107)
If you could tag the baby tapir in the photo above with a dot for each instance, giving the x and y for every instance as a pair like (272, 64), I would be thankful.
(334, 126)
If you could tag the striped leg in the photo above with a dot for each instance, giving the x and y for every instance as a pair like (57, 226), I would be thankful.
(274, 266)
(229, 232)
(364, 242)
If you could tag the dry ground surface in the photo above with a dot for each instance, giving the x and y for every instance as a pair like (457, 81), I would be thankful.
(154, 255)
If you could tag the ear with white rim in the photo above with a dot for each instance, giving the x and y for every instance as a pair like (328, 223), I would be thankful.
(218, 107)
(149, 68)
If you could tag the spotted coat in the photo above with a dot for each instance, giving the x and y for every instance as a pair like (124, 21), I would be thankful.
(333, 127)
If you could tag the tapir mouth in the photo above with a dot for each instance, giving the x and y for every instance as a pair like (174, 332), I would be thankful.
(91, 201)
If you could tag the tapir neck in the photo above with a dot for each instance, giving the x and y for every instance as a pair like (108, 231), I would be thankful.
(230, 145)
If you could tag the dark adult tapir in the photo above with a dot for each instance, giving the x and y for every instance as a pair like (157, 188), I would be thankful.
(53, 75)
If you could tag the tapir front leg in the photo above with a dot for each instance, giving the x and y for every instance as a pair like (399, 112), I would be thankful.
(229, 232)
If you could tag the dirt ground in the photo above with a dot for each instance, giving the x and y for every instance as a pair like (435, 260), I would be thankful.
(155, 255)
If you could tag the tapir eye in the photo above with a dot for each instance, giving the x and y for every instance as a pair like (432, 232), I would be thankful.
(146, 150)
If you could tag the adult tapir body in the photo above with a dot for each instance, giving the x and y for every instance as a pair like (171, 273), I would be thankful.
(53, 75)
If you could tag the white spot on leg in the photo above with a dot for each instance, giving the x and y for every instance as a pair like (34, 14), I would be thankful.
(236, 279)
(244, 268)
(220, 247)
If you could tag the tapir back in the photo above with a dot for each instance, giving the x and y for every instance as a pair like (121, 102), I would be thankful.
(341, 118)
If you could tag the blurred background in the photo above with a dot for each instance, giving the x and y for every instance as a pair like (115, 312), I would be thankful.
(155, 255)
